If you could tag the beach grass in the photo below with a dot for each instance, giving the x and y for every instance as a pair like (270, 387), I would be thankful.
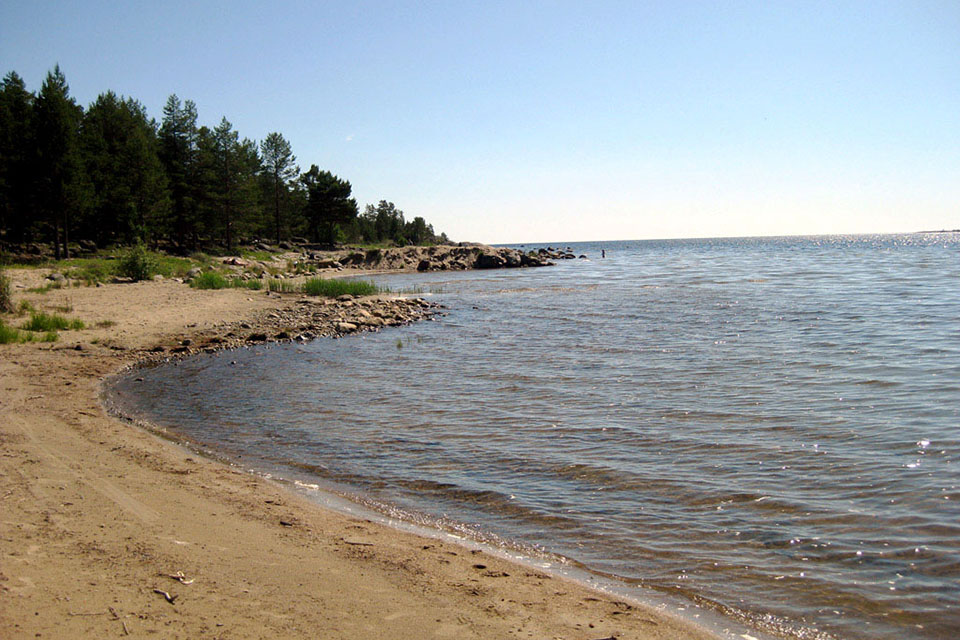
(6, 293)
(210, 280)
(40, 321)
(12, 335)
(334, 288)
(276, 285)
(216, 280)
(45, 288)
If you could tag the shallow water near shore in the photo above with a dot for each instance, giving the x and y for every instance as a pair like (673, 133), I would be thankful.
(769, 427)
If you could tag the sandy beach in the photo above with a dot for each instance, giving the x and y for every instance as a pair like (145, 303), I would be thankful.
(108, 530)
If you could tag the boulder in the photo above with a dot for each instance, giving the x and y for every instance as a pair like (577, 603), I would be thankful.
(423, 265)
(489, 260)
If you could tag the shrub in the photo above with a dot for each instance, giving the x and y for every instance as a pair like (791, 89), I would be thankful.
(136, 263)
(6, 296)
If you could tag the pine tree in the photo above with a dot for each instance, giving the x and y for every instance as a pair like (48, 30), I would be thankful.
(279, 164)
(178, 152)
(16, 144)
(128, 186)
(231, 175)
(58, 170)
(328, 203)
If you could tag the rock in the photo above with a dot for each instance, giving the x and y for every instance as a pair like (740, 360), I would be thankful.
(257, 337)
(263, 246)
(346, 327)
(58, 278)
(327, 263)
(158, 278)
(235, 261)
(193, 273)
(423, 265)
(286, 246)
(488, 260)
(345, 297)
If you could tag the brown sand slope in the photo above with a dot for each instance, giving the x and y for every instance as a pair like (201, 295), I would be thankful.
(97, 518)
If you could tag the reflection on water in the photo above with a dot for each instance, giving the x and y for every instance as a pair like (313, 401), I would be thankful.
(767, 424)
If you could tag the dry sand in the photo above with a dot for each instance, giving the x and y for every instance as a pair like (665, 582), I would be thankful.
(98, 517)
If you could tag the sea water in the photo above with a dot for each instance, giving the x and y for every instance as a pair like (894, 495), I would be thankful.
(768, 427)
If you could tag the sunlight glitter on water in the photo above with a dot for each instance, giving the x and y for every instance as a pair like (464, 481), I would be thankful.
(765, 425)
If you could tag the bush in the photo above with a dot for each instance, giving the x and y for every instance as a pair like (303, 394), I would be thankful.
(6, 296)
(136, 263)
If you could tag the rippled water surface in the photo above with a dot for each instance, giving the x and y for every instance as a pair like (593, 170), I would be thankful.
(768, 426)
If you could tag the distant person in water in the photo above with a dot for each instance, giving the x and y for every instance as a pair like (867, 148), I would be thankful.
(603, 253)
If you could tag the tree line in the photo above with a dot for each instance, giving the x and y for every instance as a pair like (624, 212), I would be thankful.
(110, 174)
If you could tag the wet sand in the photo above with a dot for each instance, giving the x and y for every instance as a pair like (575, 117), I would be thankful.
(103, 523)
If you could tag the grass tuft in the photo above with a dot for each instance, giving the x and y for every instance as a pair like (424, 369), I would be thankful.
(40, 321)
(209, 280)
(276, 285)
(214, 280)
(334, 288)
(46, 288)
(12, 335)
(6, 293)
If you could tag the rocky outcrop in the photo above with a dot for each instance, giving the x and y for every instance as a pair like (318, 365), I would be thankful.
(436, 258)
(303, 319)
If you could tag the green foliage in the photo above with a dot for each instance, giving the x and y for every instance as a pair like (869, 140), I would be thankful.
(328, 203)
(46, 288)
(334, 288)
(6, 293)
(58, 166)
(209, 280)
(136, 263)
(111, 174)
(127, 193)
(385, 224)
(253, 285)
(279, 166)
(40, 321)
(216, 280)
(275, 285)
(9, 335)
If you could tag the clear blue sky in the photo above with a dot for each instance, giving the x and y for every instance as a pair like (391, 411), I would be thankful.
(548, 121)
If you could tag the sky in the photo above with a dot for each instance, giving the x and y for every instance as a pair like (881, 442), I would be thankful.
(536, 121)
